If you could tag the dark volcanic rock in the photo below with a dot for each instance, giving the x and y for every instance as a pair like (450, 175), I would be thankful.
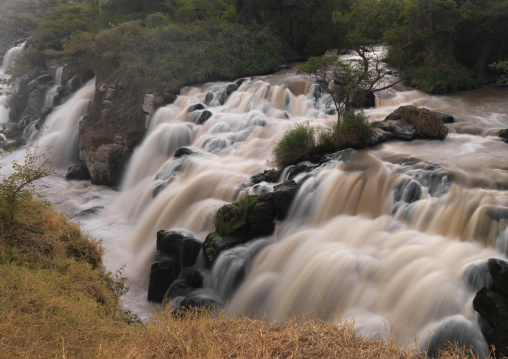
(248, 218)
(270, 176)
(492, 303)
(446, 118)
(378, 135)
(400, 130)
(195, 107)
(283, 196)
(200, 118)
(176, 249)
(78, 173)
(164, 270)
(183, 151)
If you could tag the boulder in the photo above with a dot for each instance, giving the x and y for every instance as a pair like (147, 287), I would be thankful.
(446, 118)
(195, 107)
(377, 136)
(271, 176)
(399, 130)
(200, 118)
(283, 195)
(163, 271)
(176, 249)
(407, 191)
(179, 244)
(248, 218)
(504, 135)
(190, 280)
(492, 304)
(183, 151)
(78, 173)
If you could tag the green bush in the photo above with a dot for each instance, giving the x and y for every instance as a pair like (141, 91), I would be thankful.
(353, 131)
(296, 145)
(438, 79)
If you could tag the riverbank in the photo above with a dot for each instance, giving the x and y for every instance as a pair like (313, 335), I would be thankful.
(57, 300)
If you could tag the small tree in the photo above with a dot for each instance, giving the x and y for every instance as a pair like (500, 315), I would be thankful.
(348, 84)
(19, 186)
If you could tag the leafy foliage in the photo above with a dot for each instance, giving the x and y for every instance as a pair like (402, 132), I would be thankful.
(348, 84)
(501, 66)
(18, 187)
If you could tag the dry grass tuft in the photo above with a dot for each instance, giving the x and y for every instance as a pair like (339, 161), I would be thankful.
(427, 123)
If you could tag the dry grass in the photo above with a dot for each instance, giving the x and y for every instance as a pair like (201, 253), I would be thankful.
(57, 304)
(427, 123)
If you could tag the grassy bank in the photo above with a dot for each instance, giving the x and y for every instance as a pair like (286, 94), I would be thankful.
(56, 300)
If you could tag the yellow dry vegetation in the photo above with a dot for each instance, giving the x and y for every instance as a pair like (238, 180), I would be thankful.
(57, 301)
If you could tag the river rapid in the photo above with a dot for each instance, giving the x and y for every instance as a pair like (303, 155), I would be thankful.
(350, 248)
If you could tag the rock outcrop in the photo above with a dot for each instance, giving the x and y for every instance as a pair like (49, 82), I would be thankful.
(176, 250)
(492, 304)
(250, 217)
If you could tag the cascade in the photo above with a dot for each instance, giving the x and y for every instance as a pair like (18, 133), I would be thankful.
(11, 55)
(394, 237)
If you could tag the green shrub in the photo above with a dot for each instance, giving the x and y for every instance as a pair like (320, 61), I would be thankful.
(296, 145)
(353, 131)
(438, 79)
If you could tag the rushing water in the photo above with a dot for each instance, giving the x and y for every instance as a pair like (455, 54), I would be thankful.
(350, 248)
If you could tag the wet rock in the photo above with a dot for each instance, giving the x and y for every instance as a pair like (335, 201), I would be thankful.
(270, 176)
(504, 135)
(446, 118)
(78, 173)
(195, 107)
(231, 88)
(378, 136)
(90, 211)
(176, 249)
(159, 188)
(460, 331)
(410, 161)
(200, 118)
(163, 271)
(437, 182)
(492, 304)
(298, 169)
(408, 191)
(208, 98)
(399, 130)
(179, 244)
(183, 151)
(191, 280)
(283, 196)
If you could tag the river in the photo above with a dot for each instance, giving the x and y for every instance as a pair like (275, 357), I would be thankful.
(348, 250)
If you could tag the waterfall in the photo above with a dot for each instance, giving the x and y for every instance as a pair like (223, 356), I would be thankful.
(11, 55)
(61, 128)
(54, 91)
(391, 236)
